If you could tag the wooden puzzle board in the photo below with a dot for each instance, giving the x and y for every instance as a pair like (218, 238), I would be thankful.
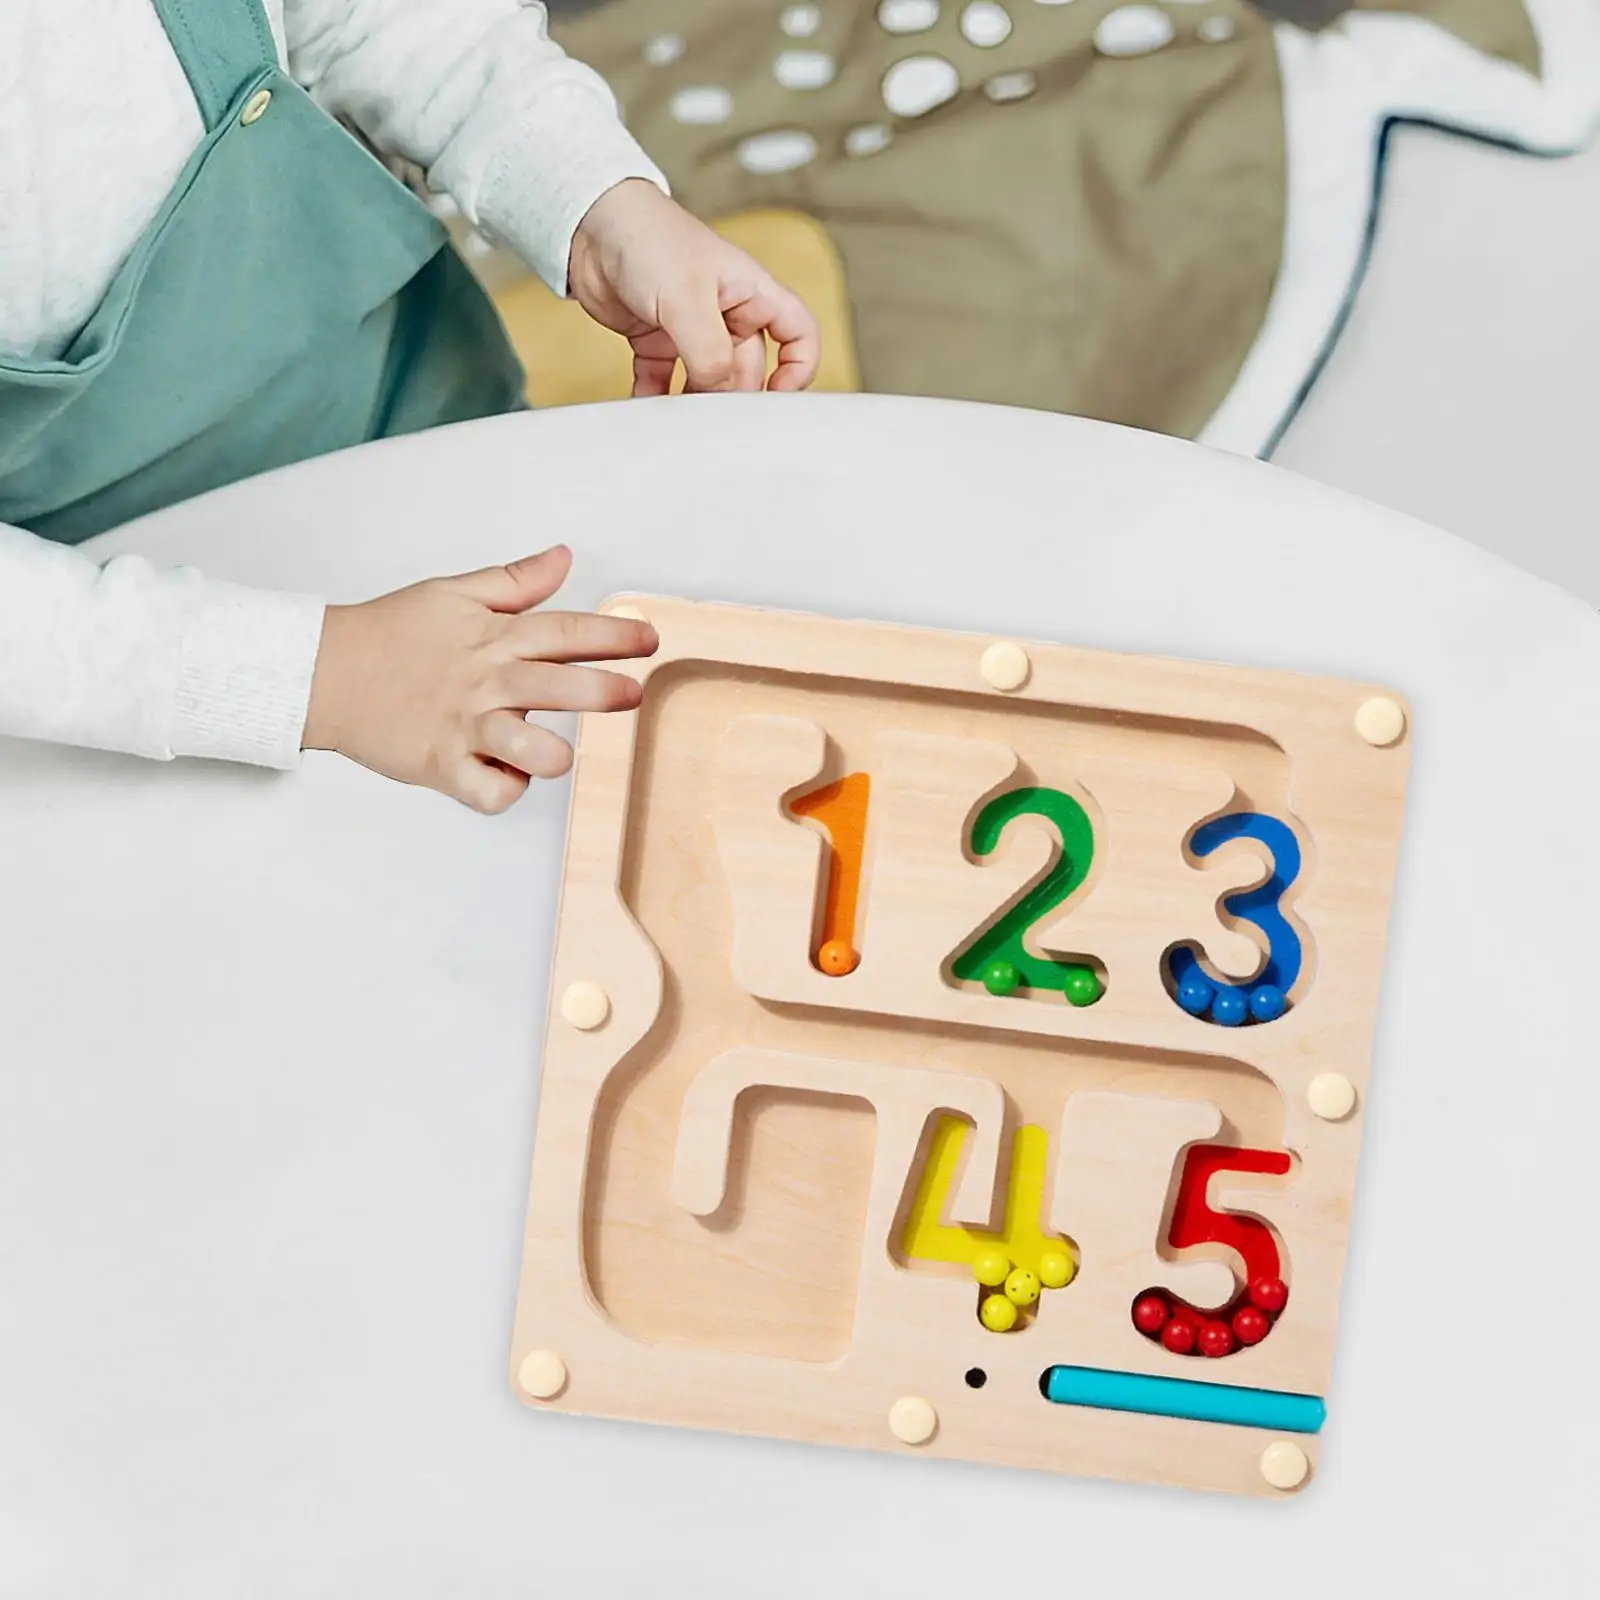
(761, 1188)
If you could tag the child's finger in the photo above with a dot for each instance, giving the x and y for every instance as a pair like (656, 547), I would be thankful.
(694, 322)
(655, 359)
(519, 585)
(782, 315)
(652, 376)
(581, 636)
(490, 786)
(538, 686)
(507, 737)
(750, 365)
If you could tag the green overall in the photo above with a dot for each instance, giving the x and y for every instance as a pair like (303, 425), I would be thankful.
(290, 298)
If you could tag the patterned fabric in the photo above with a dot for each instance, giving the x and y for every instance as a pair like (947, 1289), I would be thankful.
(1152, 213)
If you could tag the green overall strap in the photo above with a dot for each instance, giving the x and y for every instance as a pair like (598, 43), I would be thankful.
(222, 44)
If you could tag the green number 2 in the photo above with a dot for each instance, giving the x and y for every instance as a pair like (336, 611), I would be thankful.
(998, 958)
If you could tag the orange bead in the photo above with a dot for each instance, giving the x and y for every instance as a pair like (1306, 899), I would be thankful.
(836, 958)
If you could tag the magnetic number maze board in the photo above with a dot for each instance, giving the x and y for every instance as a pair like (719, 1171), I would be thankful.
(958, 1047)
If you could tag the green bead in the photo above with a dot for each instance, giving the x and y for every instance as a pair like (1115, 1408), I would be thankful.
(1082, 988)
(1001, 977)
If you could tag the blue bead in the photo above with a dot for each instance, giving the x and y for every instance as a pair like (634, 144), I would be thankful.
(1268, 1002)
(1195, 996)
(1230, 1008)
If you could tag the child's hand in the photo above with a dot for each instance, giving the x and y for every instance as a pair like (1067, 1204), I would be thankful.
(429, 684)
(643, 267)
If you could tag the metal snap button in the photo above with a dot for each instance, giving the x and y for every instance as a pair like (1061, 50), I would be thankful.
(255, 107)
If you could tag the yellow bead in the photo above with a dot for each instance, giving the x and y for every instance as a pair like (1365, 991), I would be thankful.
(990, 1267)
(997, 1313)
(1056, 1270)
(1022, 1287)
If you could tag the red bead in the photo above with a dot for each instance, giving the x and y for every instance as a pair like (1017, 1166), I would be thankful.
(1150, 1314)
(1250, 1326)
(1178, 1337)
(1270, 1295)
(1215, 1339)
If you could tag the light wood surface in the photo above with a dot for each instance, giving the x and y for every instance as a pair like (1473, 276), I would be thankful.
(722, 1171)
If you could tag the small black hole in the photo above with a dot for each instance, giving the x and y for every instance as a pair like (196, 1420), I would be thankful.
(976, 1378)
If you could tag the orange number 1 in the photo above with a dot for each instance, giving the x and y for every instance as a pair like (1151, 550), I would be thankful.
(840, 809)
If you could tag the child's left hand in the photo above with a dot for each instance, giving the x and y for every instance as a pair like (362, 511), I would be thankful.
(645, 268)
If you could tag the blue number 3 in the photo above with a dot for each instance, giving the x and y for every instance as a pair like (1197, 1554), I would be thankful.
(1266, 997)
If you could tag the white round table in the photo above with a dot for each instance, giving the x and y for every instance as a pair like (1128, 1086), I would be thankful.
(267, 1071)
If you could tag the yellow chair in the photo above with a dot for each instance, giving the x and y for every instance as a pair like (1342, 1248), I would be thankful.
(571, 360)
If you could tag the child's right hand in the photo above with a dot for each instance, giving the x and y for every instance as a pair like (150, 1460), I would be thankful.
(430, 684)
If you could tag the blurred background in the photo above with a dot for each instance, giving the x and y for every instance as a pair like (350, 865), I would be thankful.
(1295, 228)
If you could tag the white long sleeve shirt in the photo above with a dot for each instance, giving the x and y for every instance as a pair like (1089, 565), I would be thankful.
(96, 122)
